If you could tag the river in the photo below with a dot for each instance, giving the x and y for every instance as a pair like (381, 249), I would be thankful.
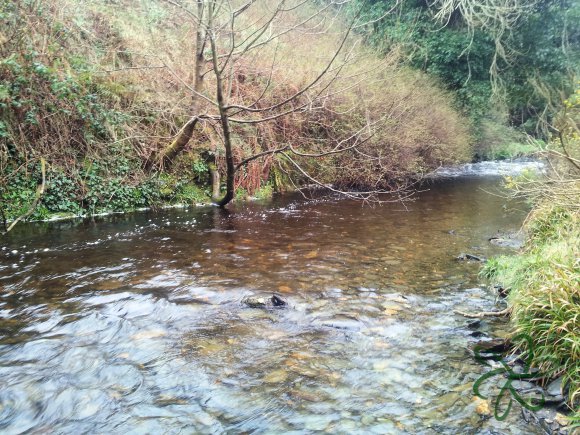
(135, 323)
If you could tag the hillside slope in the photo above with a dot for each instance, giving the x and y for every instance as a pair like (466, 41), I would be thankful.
(97, 88)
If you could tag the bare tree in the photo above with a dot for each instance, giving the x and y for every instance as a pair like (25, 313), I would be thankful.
(230, 35)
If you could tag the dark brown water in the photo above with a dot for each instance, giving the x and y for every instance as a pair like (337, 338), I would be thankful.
(134, 324)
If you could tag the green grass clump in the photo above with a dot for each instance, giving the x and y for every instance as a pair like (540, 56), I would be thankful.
(545, 293)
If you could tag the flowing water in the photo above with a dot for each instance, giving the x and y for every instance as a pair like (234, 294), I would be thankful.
(135, 323)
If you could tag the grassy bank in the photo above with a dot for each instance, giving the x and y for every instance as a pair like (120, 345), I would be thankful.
(544, 283)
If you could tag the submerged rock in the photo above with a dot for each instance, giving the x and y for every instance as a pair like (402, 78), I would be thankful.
(482, 407)
(275, 377)
(507, 241)
(340, 321)
(474, 324)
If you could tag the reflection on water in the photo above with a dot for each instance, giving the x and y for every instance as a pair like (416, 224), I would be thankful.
(135, 324)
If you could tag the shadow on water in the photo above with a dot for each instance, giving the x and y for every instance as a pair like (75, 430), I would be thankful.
(135, 323)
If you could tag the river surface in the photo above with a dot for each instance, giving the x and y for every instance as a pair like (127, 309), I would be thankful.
(135, 323)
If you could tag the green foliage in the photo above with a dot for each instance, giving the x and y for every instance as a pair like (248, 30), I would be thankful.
(37, 99)
(545, 278)
(550, 225)
(61, 194)
(192, 194)
(264, 192)
(17, 198)
(497, 141)
(241, 193)
(181, 189)
(543, 54)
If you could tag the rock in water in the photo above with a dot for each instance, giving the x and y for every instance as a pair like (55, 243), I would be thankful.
(274, 301)
(490, 349)
(507, 242)
(277, 301)
(255, 301)
(463, 256)
(502, 292)
(482, 407)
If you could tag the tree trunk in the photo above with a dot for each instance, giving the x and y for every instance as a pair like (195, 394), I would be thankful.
(168, 154)
(224, 119)
(215, 182)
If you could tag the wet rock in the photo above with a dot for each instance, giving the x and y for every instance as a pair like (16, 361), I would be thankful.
(254, 301)
(347, 426)
(317, 422)
(305, 396)
(488, 349)
(502, 292)
(145, 335)
(391, 262)
(549, 419)
(509, 241)
(277, 301)
(340, 322)
(474, 324)
(482, 407)
(554, 388)
(367, 420)
(524, 386)
(561, 419)
(382, 428)
(470, 257)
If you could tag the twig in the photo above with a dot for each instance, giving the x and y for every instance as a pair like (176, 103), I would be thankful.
(483, 314)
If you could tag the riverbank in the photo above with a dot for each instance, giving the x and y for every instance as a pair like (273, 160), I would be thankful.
(184, 193)
(543, 282)
(101, 113)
